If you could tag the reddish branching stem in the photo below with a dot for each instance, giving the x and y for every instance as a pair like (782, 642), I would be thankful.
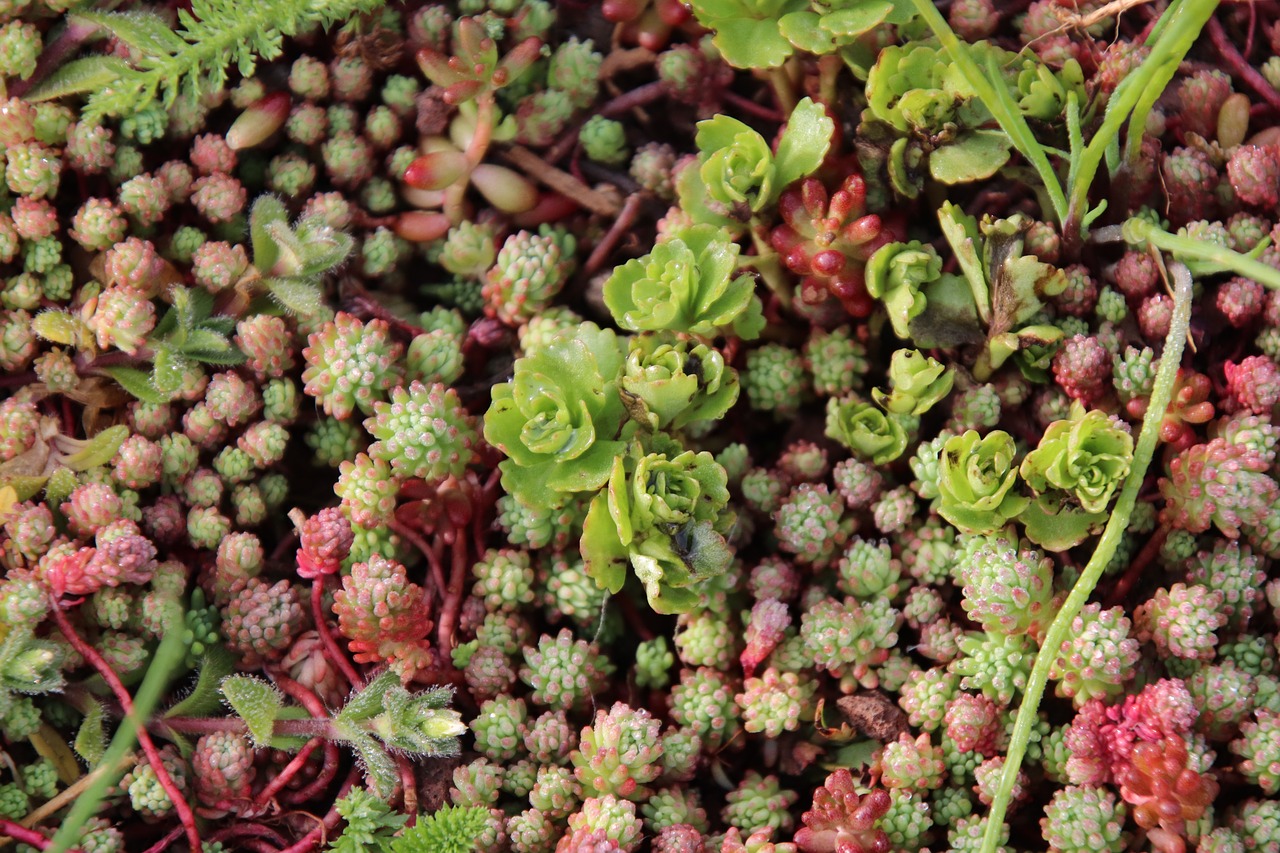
(276, 785)
(166, 842)
(452, 604)
(248, 830)
(332, 650)
(180, 805)
(20, 833)
(328, 769)
(1240, 66)
(314, 838)
(622, 225)
(1137, 566)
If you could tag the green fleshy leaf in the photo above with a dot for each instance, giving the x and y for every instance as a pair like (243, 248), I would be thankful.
(858, 19)
(746, 43)
(977, 155)
(59, 327)
(804, 144)
(257, 702)
(1055, 526)
(803, 29)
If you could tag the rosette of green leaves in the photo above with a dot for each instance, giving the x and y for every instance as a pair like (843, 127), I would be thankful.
(558, 419)
(926, 109)
(866, 429)
(738, 174)
(664, 514)
(1077, 468)
(896, 275)
(976, 480)
(916, 381)
(686, 284)
(667, 382)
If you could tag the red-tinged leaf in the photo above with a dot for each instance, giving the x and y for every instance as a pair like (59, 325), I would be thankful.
(259, 121)
(436, 170)
(421, 226)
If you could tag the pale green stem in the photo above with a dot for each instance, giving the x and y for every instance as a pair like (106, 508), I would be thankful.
(1145, 231)
(1161, 395)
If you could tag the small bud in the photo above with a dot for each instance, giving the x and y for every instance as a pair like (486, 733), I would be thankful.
(261, 119)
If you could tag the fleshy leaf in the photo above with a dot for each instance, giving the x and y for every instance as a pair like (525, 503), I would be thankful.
(804, 143)
(98, 450)
(978, 154)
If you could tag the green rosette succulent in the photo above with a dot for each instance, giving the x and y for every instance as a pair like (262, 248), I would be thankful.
(1087, 455)
(663, 513)
(558, 419)
(865, 429)
(668, 383)
(896, 275)
(1075, 471)
(917, 382)
(830, 24)
(738, 174)
(686, 284)
(976, 479)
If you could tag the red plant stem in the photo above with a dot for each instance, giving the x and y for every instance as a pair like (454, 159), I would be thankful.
(235, 725)
(98, 662)
(621, 225)
(452, 604)
(166, 842)
(257, 845)
(409, 783)
(632, 98)
(290, 770)
(18, 832)
(328, 769)
(749, 106)
(332, 650)
(1240, 66)
(433, 556)
(248, 830)
(309, 841)
(1137, 566)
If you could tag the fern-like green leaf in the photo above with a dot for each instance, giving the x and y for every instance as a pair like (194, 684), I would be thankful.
(451, 829)
(370, 823)
(194, 59)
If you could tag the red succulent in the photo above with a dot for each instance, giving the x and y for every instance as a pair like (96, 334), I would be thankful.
(827, 238)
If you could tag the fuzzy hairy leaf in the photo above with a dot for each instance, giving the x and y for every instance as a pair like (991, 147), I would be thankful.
(209, 38)
(90, 74)
(91, 739)
(136, 382)
(256, 702)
